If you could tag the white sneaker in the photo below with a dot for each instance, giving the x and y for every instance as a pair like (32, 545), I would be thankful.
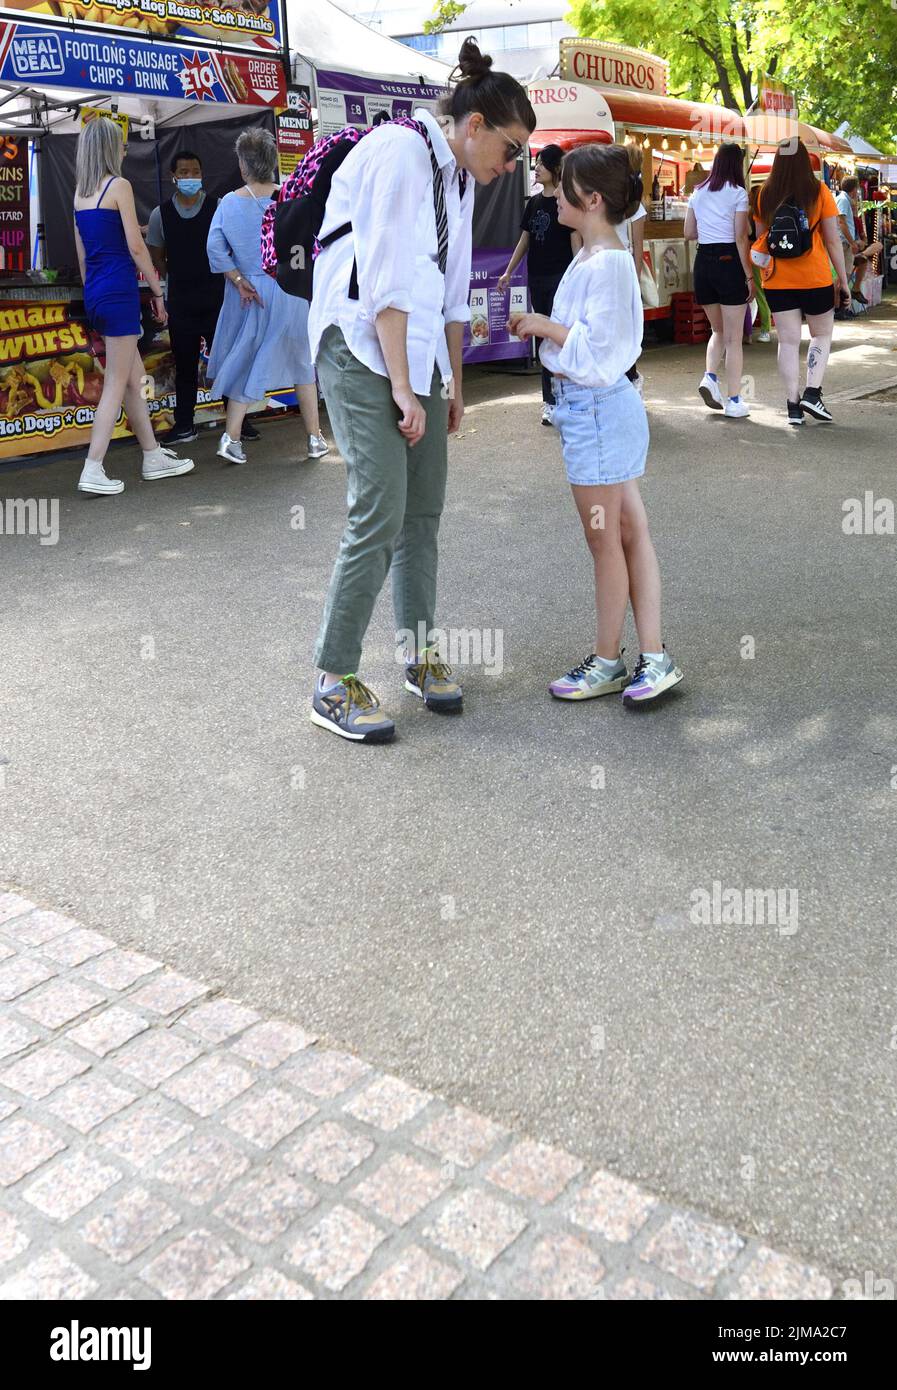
(317, 446)
(93, 479)
(547, 414)
(736, 410)
(164, 463)
(231, 449)
(764, 338)
(710, 392)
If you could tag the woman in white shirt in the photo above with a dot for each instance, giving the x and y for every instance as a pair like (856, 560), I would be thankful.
(389, 362)
(594, 333)
(717, 219)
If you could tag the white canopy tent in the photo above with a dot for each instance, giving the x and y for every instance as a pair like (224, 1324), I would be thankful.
(322, 36)
(319, 36)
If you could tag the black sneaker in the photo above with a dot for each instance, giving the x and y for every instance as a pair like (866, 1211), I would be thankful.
(249, 431)
(180, 434)
(811, 403)
(795, 414)
(858, 294)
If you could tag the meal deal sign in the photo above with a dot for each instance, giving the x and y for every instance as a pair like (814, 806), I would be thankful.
(137, 67)
(255, 23)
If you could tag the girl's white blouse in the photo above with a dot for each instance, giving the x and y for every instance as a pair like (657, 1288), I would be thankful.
(599, 300)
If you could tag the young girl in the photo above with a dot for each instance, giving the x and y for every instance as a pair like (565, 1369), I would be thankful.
(594, 334)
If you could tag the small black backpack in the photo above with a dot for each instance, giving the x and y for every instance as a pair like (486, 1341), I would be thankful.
(790, 234)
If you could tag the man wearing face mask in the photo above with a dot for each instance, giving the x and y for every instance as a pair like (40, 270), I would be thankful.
(176, 236)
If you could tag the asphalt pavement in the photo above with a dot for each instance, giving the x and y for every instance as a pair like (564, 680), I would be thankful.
(506, 907)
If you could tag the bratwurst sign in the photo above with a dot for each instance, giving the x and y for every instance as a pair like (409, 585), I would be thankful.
(610, 65)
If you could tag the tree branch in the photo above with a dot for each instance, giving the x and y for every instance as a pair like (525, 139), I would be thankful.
(716, 57)
(743, 73)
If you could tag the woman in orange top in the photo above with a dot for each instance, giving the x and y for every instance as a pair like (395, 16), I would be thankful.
(802, 286)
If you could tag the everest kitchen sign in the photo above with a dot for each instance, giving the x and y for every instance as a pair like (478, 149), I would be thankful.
(234, 23)
(116, 62)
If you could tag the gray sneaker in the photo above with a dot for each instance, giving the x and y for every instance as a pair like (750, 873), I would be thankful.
(651, 679)
(317, 446)
(231, 449)
(351, 710)
(431, 680)
(590, 678)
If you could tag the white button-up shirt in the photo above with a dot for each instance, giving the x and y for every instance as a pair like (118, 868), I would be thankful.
(384, 187)
(599, 300)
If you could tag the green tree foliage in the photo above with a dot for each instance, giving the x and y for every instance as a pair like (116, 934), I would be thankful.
(841, 60)
(445, 12)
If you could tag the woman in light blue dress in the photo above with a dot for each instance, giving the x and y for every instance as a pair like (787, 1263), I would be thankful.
(261, 341)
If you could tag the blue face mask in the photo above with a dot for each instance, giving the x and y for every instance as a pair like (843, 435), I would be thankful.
(189, 187)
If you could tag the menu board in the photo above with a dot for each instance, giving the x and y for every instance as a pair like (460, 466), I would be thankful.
(486, 337)
(15, 216)
(235, 23)
(295, 135)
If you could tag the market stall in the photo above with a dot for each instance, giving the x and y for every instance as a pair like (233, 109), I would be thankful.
(155, 74)
(609, 93)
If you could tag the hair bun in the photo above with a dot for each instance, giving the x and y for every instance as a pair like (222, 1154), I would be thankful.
(472, 63)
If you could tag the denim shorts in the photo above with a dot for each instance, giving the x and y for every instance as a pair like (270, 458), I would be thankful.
(604, 432)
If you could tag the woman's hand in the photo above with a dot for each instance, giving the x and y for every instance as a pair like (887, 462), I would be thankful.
(413, 423)
(248, 293)
(504, 281)
(160, 313)
(525, 326)
(844, 293)
(455, 413)
(751, 288)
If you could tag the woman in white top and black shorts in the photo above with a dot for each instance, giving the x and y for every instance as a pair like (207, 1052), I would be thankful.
(717, 219)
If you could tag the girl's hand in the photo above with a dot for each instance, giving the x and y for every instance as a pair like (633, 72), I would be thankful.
(752, 290)
(525, 326)
(159, 311)
(504, 281)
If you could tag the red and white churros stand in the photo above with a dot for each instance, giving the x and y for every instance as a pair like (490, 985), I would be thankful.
(607, 93)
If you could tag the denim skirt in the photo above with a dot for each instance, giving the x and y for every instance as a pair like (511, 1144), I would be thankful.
(604, 432)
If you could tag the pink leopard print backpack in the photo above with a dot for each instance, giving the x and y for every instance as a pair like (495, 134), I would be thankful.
(293, 220)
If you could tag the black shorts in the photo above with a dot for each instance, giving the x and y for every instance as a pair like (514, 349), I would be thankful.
(719, 275)
(817, 301)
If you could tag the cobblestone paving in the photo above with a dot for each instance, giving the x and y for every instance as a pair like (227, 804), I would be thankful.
(157, 1142)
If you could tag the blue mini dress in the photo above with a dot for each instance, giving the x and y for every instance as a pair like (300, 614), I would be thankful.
(111, 293)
